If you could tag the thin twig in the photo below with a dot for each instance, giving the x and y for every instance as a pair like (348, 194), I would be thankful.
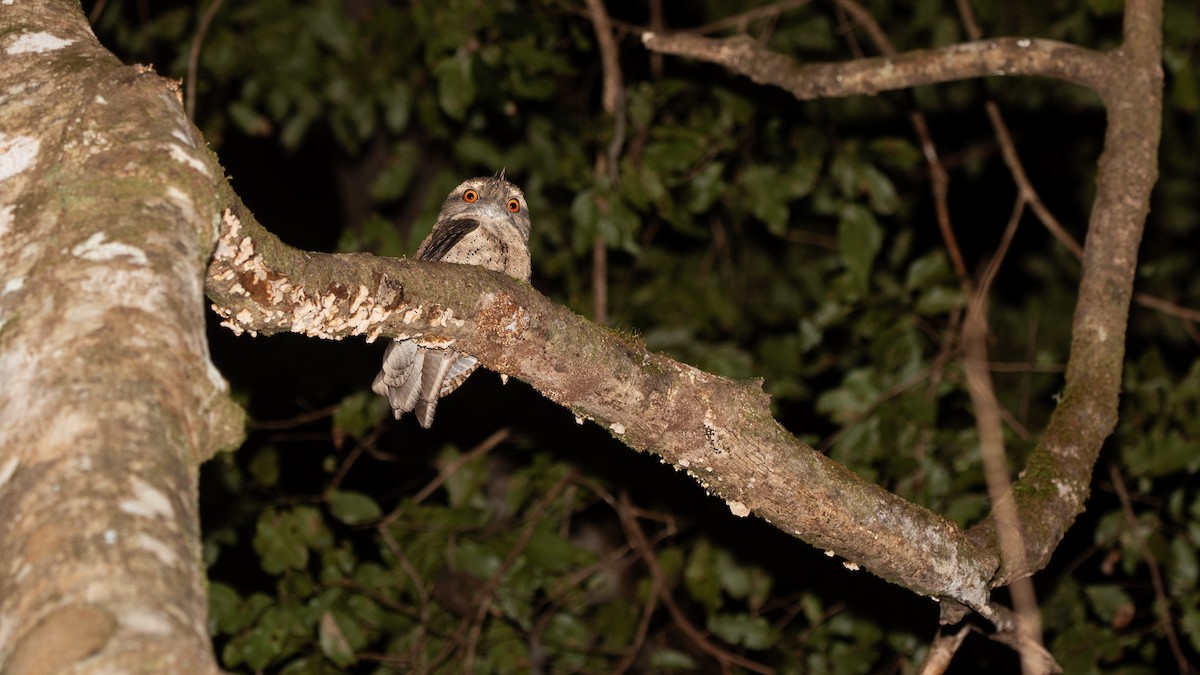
(298, 420)
(639, 638)
(194, 55)
(1169, 308)
(846, 29)
(867, 22)
(97, 10)
(657, 24)
(1160, 593)
(485, 597)
(613, 101)
(634, 531)
(939, 179)
(1025, 367)
(343, 469)
(600, 277)
(739, 21)
(991, 442)
(451, 467)
(1027, 380)
(941, 650)
(423, 593)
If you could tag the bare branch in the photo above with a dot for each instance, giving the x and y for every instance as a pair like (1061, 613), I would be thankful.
(942, 649)
(1001, 57)
(1055, 483)
(638, 538)
(739, 21)
(193, 64)
(991, 442)
(606, 164)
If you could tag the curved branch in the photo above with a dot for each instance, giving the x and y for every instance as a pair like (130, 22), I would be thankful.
(1056, 480)
(1001, 56)
(1055, 483)
(718, 430)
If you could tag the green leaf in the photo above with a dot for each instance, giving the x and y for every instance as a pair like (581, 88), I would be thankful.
(566, 631)
(393, 181)
(706, 188)
(353, 508)
(615, 624)
(550, 552)
(859, 240)
(279, 547)
(852, 399)
(768, 197)
(880, 191)
(357, 414)
(280, 631)
(700, 576)
(1190, 623)
(927, 270)
(250, 121)
(1080, 647)
(282, 538)
(223, 607)
(940, 300)
(333, 641)
(1107, 600)
(1105, 7)
(586, 219)
(465, 485)
(753, 632)
(397, 101)
(456, 85)
(264, 468)
(667, 660)
(898, 153)
(1182, 566)
(217, 540)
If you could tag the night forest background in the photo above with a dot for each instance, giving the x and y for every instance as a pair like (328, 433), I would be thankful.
(734, 228)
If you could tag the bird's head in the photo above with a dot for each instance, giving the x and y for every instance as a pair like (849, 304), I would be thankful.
(493, 200)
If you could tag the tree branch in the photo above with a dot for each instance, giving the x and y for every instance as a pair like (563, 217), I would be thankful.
(1001, 56)
(1056, 480)
(1128, 80)
(720, 431)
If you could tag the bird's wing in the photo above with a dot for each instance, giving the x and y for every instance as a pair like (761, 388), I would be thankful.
(444, 236)
(459, 371)
(400, 378)
(436, 364)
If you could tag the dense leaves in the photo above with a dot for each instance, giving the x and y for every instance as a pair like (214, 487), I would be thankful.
(749, 235)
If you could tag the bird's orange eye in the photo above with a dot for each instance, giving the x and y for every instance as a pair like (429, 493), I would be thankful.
(514, 206)
(470, 196)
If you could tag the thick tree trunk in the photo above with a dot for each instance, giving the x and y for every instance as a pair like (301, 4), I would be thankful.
(109, 398)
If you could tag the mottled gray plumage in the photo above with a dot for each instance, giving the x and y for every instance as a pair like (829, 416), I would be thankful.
(484, 221)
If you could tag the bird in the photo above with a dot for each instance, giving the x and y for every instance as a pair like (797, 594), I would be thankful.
(484, 221)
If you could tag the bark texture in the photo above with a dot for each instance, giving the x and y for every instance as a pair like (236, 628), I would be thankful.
(109, 399)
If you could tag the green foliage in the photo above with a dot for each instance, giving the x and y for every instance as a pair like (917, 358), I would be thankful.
(749, 235)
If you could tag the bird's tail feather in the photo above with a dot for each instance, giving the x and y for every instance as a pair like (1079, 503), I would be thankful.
(413, 378)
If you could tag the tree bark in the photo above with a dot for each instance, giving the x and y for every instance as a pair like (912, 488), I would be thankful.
(110, 401)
